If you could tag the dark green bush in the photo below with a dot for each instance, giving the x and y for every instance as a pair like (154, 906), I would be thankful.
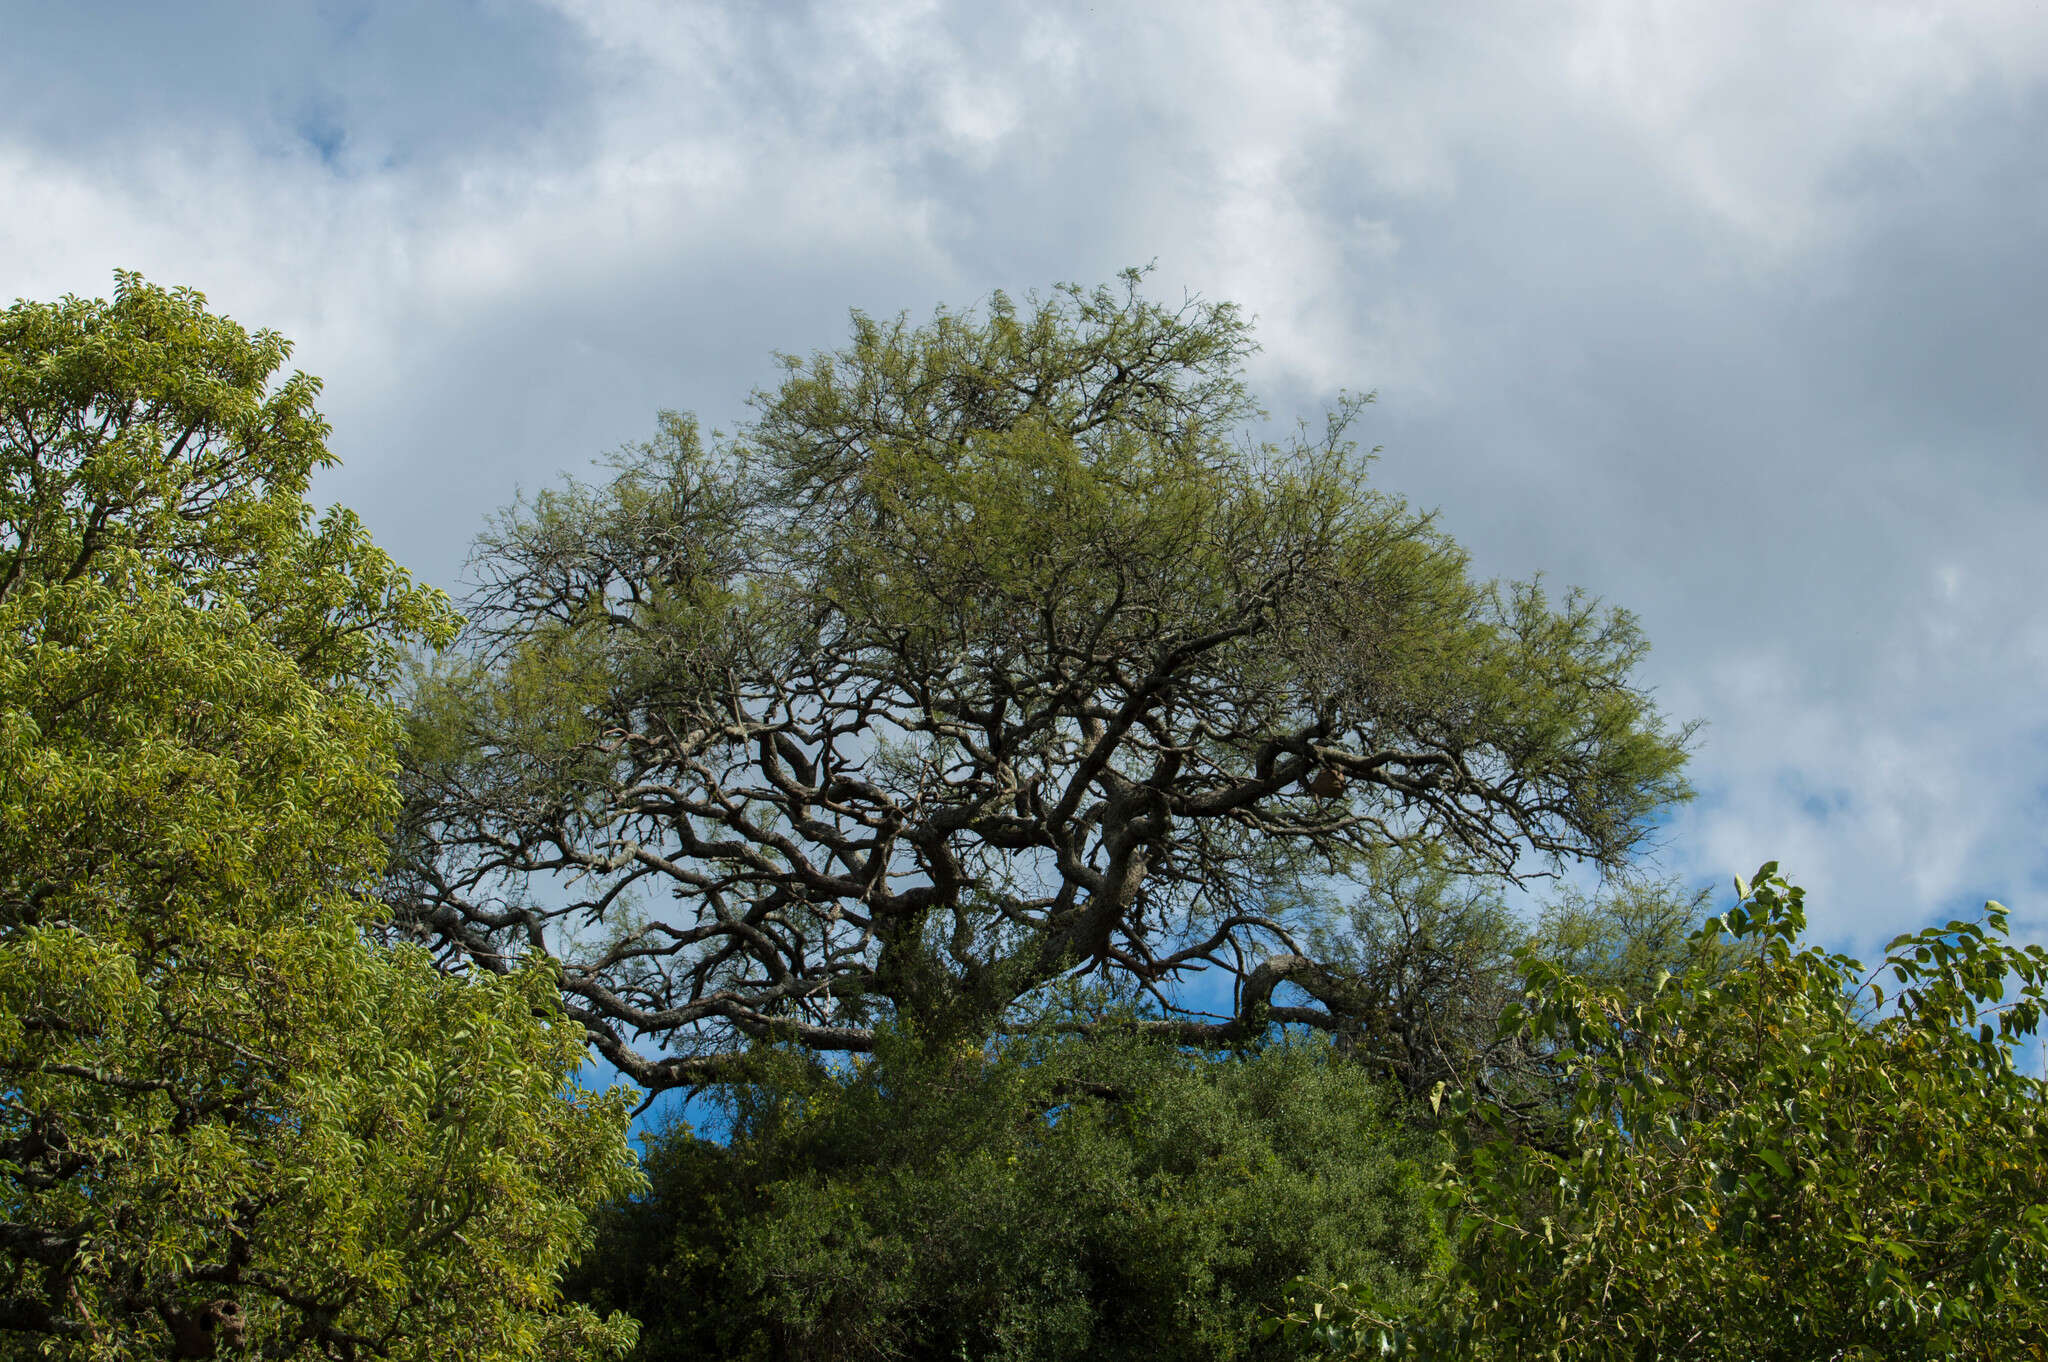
(1102, 1198)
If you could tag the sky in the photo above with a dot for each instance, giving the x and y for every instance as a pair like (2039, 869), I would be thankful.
(1729, 313)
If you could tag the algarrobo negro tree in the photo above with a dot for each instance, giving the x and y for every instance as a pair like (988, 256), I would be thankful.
(990, 652)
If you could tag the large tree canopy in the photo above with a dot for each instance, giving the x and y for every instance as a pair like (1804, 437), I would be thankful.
(227, 1120)
(991, 651)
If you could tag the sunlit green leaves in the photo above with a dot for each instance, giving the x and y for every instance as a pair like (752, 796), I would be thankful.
(227, 1119)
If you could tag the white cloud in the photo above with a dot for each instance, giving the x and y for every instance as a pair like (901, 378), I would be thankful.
(1765, 113)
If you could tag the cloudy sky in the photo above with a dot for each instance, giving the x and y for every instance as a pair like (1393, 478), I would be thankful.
(1730, 313)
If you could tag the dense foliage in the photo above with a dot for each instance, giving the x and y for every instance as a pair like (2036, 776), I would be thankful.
(1052, 1199)
(228, 1122)
(1767, 1158)
(887, 771)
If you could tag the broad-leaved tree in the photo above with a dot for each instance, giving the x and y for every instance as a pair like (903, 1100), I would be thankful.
(229, 1121)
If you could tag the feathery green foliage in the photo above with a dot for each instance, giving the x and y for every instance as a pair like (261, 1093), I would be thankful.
(994, 651)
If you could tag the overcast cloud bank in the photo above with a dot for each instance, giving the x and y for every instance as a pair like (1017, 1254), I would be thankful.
(1729, 313)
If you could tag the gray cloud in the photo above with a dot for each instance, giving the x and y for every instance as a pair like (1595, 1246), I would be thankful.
(1728, 313)
(360, 87)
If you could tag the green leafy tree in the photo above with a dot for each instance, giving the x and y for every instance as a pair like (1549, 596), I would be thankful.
(229, 1122)
(992, 652)
(1769, 1158)
(1052, 1198)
